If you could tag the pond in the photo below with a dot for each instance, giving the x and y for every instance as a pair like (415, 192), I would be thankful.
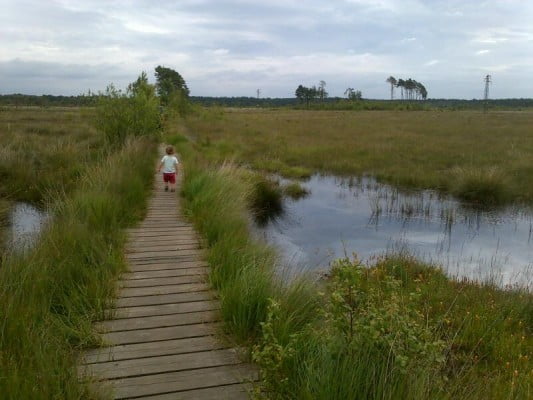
(25, 223)
(345, 216)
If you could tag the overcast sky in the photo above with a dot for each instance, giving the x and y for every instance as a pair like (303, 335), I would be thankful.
(234, 47)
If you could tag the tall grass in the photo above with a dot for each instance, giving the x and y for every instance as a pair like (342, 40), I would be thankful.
(44, 151)
(50, 295)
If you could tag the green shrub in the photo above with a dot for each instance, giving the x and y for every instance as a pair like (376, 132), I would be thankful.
(135, 113)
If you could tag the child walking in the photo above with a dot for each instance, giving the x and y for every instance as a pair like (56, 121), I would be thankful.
(169, 163)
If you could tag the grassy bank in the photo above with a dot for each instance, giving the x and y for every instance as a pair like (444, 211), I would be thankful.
(399, 329)
(50, 296)
(483, 158)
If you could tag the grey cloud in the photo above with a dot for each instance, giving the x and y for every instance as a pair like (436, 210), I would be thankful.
(73, 44)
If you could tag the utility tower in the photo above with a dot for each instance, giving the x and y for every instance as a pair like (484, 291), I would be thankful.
(258, 93)
(488, 81)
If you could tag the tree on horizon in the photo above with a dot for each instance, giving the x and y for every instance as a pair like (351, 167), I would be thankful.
(393, 82)
(169, 81)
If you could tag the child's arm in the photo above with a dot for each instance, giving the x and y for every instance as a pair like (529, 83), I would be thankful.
(160, 166)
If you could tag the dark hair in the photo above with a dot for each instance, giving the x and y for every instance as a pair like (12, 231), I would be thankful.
(170, 150)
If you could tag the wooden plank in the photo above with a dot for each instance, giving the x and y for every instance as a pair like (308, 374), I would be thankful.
(181, 381)
(164, 236)
(162, 244)
(164, 309)
(164, 253)
(158, 290)
(165, 273)
(160, 321)
(238, 391)
(152, 349)
(174, 227)
(160, 247)
(167, 259)
(164, 281)
(159, 266)
(156, 334)
(162, 241)
(163, 299)
(160, 364)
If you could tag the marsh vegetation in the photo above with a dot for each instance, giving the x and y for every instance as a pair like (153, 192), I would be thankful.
(481, 158)
(394, 328)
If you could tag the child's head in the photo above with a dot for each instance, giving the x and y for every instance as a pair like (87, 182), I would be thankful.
(170, 150)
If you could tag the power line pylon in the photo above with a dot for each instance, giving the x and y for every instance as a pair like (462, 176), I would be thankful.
(488, 81)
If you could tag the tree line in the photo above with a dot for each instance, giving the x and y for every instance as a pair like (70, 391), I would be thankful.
(310, 94)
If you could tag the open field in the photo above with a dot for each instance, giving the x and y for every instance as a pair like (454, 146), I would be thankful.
(483, 158)
(43, 151)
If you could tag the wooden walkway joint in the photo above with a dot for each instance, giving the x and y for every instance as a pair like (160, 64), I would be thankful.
(161, 342)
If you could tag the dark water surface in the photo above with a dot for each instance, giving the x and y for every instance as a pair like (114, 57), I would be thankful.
(342, 216)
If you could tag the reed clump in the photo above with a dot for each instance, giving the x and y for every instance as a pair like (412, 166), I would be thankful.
(480, 186)
(295, 190)
(265, 199)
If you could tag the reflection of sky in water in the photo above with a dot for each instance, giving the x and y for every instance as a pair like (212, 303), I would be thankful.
(342, 217)
(26, 222)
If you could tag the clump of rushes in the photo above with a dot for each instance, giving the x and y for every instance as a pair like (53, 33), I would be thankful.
(266, 199)
(50, 295)
(4, 211)
(295, 191)
(483, 187)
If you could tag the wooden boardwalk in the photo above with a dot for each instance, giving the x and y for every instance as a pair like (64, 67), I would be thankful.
(161, 340)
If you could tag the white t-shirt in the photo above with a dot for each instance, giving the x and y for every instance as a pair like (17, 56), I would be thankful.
(169, 164)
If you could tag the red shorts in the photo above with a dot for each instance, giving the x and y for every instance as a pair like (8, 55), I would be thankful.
(169, 177)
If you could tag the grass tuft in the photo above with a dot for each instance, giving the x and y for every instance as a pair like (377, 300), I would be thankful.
(484, 187)
(295, 191)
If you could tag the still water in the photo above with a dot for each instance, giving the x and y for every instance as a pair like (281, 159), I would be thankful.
(25, 223)
(345, 216)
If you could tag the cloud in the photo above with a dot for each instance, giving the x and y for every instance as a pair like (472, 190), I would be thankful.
(230, 47)
(431, 63)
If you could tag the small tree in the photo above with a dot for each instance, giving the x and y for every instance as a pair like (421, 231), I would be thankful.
(393, 82)
(169, 81)
(300, 93)
(134, 113)
(353, 95)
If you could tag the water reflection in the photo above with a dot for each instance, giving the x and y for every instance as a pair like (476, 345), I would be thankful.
(26, 222)
(342, 216)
